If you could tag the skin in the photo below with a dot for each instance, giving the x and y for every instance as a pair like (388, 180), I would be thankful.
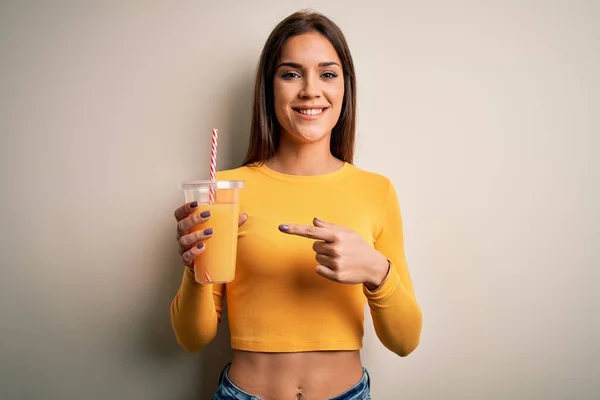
(309, 76)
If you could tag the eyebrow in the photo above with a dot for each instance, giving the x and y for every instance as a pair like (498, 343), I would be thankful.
(299, 66)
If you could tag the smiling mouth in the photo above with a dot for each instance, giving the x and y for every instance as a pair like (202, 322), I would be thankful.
(310, 111)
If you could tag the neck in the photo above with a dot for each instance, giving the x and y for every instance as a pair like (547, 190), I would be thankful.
(304, 159)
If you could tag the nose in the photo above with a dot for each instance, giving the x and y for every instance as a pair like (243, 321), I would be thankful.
(310, 87)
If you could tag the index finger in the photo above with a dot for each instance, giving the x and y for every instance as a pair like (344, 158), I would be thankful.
(310, 231)
(185, 210)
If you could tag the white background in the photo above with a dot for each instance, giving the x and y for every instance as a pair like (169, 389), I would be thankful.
(485, 115)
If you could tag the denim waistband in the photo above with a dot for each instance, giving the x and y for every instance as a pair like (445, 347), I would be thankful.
(228, 391)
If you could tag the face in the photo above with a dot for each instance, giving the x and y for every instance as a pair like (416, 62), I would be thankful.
(308, 88)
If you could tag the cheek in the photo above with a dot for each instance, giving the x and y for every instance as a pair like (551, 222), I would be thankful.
(280, 98)
(276, 96)
(341, 94)
(280, 103)
(337, 95)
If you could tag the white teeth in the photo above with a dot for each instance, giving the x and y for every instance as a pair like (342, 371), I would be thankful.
(311, 112)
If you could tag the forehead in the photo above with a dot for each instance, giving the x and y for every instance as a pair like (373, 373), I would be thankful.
(309, 48)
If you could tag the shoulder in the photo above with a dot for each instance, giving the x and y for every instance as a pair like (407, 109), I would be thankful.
(372, 181)
(240, 173)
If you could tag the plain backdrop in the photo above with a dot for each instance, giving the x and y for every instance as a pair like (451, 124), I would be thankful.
(485, 115)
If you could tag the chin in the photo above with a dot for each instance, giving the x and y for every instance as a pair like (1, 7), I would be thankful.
(309, 136)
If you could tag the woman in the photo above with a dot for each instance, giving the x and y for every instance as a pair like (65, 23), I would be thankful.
(318, 237)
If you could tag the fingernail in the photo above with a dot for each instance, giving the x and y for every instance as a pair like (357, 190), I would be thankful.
(201, 245)
(284, 228)
(193, 204)
(205, 214)
(318, 220)
(208, 231)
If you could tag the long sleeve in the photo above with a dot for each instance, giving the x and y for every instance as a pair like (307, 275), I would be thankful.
(196, 312)
(396, 314)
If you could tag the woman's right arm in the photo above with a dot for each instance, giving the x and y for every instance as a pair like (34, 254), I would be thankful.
(196, 308)
(196, 312)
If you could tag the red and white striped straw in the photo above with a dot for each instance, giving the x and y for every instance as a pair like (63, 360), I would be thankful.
(213, 164)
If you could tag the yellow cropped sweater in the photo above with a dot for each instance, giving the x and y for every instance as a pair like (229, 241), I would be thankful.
(277, 302)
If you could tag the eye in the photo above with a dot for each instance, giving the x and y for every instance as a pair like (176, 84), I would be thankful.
(329, 75)
(289, 75)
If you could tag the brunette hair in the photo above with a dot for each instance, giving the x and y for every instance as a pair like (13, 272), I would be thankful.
(264, 130)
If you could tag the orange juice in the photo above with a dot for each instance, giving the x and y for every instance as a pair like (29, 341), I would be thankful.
(216, 264)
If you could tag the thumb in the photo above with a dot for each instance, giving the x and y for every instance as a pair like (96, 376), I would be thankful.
(243, 219)
(322, 224)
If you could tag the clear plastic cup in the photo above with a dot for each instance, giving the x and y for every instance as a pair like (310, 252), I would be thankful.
(216, 264)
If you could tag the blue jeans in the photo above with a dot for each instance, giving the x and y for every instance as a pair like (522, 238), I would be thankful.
(228, 391)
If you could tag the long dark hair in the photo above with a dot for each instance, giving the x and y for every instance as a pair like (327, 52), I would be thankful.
(264, 131)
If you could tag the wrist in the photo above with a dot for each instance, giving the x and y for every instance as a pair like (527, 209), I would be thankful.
(380, 274)
(189, 271)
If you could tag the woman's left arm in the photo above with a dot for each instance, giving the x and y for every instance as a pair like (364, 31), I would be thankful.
(396, 314)
(345, 257)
